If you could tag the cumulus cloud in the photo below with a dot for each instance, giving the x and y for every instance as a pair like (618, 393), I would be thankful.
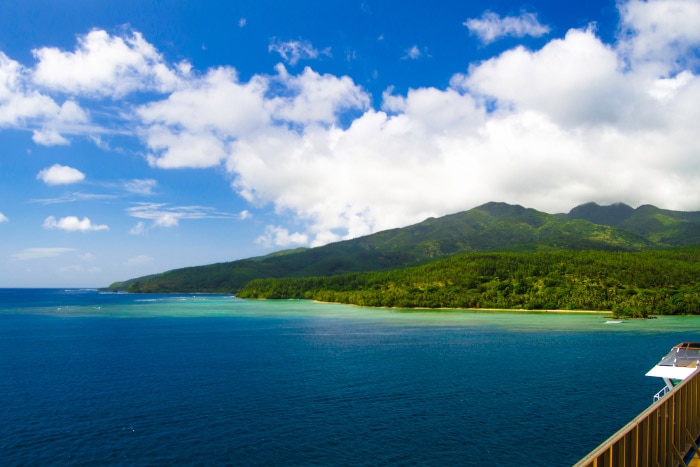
(379, 173)
(72, 224)
(491, 27)
(199, 126)
(105, 65)
(193, 126)
(279, 236)
(39, 253)
(17, 103)
(313, 98)
(571, 122)
(59, 174)
(576, 120)
(22, 105)
(660, 33)
(3, 218)
(575, 79)
(293, 51)
(665, 89)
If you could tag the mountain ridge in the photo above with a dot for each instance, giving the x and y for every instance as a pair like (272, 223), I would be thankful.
(493, 226)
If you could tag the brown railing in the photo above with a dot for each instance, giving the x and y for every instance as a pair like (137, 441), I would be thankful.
(660, 436)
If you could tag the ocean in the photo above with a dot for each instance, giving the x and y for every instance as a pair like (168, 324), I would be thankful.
(91, 378)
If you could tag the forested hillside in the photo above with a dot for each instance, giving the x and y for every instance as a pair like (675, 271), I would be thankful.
(635, 284)
(660, 226)
(490, 227)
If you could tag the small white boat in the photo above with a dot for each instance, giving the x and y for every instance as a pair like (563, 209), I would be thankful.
(613, 321)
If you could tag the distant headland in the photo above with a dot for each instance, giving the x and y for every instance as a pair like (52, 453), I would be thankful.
(631, 262)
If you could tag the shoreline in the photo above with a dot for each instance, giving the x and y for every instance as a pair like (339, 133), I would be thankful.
(497, 310)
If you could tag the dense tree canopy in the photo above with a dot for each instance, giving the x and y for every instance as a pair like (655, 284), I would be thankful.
(636, 284)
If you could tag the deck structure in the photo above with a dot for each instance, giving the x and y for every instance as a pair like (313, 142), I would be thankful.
(667, 433)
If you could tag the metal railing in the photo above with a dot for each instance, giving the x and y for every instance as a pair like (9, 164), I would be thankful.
(665, 390)
(660, 436)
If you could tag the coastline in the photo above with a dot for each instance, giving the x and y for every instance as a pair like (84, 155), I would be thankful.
(477, 310)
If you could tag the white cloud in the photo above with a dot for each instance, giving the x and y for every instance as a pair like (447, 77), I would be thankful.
(167, 219)
(242, 22)
(72, 197)
(70, 118)
(3, 218)
(314, 98)
(660, 33)
(575, 79)
(217, 101)
(72, 224)
(413, 53)
(99, 142)
(293, 51)
(23, 106)
(549, 128)
(39, 253)
(140, 186)
(491, 27)
(665, 89)
(379, 173)
(279, 236)
(166, 216)
(18, 102)
(192, 127)
(574, 121)
(49, 137)
(105, 65)
(198, 126)
(243, 215)
(59, 174)
(173, 148)
(138, 229)
(416, 53)
(10, 77)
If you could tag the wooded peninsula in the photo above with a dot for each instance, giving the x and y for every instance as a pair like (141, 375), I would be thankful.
(629, 284)
(631, 262)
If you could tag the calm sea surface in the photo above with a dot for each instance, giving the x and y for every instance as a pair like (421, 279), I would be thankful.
(92, 378)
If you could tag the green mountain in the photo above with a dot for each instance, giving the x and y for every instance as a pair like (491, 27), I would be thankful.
(490, 227)
(606, 215)
(660, 226)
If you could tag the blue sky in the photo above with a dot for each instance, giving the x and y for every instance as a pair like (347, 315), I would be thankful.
(139, 136)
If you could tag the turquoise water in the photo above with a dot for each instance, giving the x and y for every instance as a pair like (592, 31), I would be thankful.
(92, 378)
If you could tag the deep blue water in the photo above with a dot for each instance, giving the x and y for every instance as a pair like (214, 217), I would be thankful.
(110, 379)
